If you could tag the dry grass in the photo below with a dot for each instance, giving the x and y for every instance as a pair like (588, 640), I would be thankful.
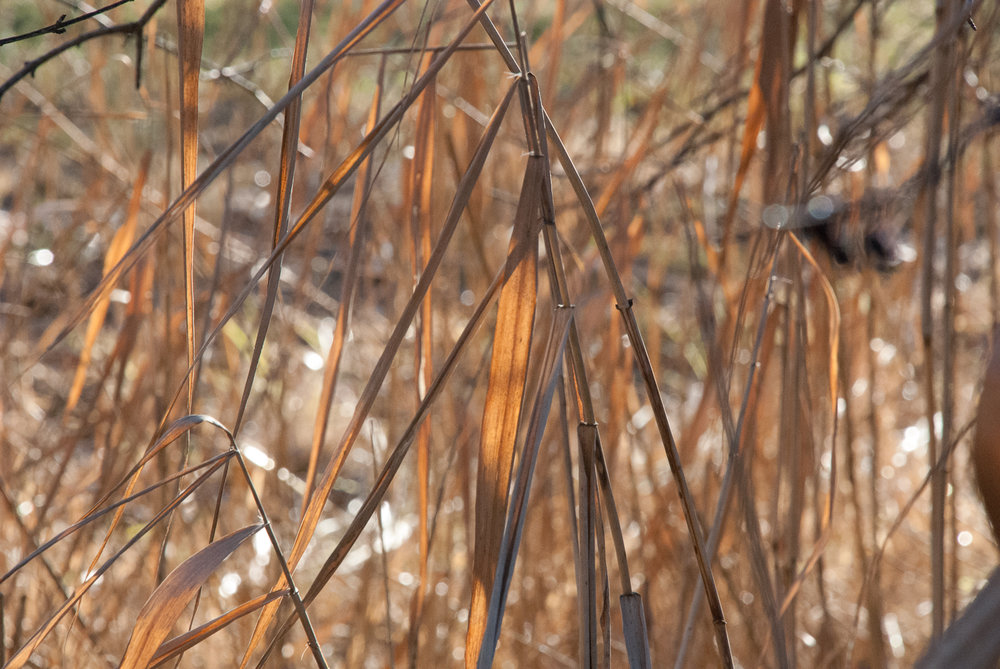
(417, 361)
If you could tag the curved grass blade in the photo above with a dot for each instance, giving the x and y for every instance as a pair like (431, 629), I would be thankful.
(177, 429)
(168, 601)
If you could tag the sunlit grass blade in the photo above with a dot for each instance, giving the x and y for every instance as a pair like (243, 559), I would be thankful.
(518, 507)
(501, 415)
(421, 193)
(191, 33)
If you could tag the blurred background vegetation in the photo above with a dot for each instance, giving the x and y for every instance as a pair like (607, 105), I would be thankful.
(801, 201)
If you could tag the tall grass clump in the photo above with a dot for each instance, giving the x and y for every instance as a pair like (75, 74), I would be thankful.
(615, 333)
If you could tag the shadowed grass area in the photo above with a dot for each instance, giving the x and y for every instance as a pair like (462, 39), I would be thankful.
(414, 334)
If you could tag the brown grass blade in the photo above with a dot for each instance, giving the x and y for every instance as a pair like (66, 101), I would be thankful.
(501, 415)
(190, 34)
(120, 243)
(170, 598)
(183, 642)
(174, 431)
(586, 575)
(422, 190)
(170, 434)
(611, 515)
(517, 513)
(286, 171)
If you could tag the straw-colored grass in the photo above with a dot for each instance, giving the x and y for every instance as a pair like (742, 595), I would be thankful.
(624, 333)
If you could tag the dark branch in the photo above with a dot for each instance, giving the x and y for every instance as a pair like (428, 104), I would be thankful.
(59, 27)
(134, 28)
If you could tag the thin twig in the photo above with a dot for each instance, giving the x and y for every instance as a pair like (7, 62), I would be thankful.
(134, 28)
(59, 27)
